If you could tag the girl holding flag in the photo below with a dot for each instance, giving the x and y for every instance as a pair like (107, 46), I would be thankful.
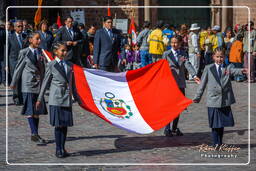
(220, 96)
(59, 76)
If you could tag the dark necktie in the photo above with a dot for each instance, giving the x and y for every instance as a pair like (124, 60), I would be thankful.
(35, 56)
(219, 71)
(62, 66)
(70, 32)
(110, 33)
(20, 40)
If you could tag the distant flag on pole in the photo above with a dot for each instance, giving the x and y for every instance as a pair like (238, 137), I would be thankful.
(59, 21)
(132, 31)
(109, 12)
(38, 13)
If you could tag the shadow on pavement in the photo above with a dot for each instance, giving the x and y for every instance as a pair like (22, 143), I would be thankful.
(124, 144)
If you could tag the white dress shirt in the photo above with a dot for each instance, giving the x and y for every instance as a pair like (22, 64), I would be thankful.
(64, 63)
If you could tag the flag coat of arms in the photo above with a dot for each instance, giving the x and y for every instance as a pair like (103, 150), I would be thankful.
(140, 101)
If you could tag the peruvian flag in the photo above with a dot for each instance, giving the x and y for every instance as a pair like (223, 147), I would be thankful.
(132, 31)
(140, 101)
(47, 55)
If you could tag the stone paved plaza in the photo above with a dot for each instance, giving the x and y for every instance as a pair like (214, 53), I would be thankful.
(102, 147)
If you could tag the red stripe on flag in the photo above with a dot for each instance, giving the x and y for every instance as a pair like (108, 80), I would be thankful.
(156, 94)
(47, 55)
(84, 92)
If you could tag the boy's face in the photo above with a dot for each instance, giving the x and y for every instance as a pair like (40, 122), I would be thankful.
(61, 52)
(175, 43)
(108, 24)
(35, 40)
(218, 57)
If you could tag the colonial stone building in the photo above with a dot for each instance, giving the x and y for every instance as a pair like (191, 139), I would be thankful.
(208, 15)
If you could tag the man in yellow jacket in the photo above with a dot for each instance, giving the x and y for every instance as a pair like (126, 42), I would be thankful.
(156, 44)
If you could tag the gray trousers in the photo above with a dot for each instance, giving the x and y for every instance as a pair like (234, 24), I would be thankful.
(195, 62)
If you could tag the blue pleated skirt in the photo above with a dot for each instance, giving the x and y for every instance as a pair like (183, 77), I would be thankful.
(61, 116)
(29, 107)
(220, 117)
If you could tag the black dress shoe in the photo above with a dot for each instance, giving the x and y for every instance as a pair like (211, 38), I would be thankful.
(59, 154)
(17, 103)
(65, 153)
(34, 138)
(39, 141)
(177, 132)
(168, 133)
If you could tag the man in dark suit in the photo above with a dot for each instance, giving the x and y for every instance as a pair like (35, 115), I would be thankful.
(107, 44)
(73, 38)
(84, 47)
(2, 55)
(16, 42)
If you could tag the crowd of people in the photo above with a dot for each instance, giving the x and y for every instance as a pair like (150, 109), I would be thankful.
(203, 55)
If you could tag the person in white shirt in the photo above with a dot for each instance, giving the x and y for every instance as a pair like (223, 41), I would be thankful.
(193, 48)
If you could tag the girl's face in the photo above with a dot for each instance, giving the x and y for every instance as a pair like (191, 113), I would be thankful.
(61, 52)
(175, 43)
(35, 41)
(218, 57)
(228, 34)
(127, 47)
(209, 31)
(44, 27)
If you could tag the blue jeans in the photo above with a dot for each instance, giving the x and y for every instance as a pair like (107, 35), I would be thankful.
(239, 77)
(146, 58)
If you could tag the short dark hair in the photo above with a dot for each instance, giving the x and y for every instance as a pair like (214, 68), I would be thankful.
(81, 25)
(160, 24)
(57, 45)
(107, 18)
(32, 34)
(166, 25)
(92, 25)
(178, 37)
(219, 49)
(251, 23)
(146, 24)
(69, 17)
(239, 37)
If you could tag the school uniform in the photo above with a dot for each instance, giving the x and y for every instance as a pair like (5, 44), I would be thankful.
(178, 62)
(60, 100)
(220, 96)
(30, 69)
(59, 76)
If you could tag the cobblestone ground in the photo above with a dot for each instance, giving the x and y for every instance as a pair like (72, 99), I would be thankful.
(92, 141)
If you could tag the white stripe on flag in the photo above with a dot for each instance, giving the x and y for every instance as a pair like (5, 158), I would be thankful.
(100, 83)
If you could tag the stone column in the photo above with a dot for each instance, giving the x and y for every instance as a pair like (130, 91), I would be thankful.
(147, 10)
(224, 21)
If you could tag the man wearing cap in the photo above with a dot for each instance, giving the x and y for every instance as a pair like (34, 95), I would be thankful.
(220, 39)
(193, 48)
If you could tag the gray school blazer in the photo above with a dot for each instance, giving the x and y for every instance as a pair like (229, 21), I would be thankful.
(30, 71)
(61, 84)
(219, 91)
(178, 67)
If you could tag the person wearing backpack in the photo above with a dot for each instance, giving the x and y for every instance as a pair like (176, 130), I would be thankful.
(142, 42)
